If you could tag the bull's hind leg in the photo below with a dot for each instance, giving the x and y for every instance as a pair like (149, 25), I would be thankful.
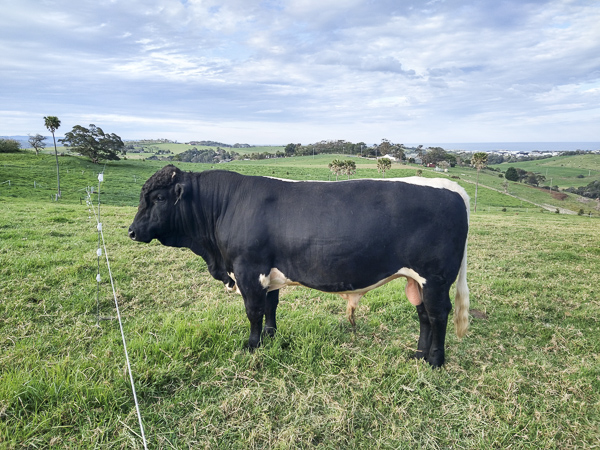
(270, 313)
(414, 294)
(433, 317)
(424, 343)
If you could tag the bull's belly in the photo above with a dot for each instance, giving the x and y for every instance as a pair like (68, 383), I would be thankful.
(275, 279)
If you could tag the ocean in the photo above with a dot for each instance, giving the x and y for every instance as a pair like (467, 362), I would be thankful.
(514, 146)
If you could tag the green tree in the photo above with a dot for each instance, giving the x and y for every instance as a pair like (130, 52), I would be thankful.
(290, 149)
(397, 152)
(383, 165)
(479, 161)
(94, 143)
(385, 147)
(451, 159)
(522, 174)
(336, 166)
(9, 146)
(52, 123)
(434, 155)
(511, 174)
(534, 179)
(349, 168)
(37, 142)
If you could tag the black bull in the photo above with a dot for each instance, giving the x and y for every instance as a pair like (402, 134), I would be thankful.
(258, 234)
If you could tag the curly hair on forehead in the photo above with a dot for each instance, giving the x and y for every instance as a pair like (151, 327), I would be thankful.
(165, 177)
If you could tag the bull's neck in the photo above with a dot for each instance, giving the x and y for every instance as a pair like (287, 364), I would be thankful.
(212, 192)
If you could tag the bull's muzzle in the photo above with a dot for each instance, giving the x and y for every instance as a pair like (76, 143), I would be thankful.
(132, 233)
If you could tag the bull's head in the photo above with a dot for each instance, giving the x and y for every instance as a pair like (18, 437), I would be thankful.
(157, 213)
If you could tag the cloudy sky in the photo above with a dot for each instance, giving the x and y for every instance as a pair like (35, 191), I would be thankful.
(280, 71)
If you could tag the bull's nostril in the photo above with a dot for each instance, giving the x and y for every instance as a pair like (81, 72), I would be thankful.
(132, 234)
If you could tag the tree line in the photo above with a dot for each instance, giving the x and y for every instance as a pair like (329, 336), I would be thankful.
(524, 176)
(592, 190)
(347, 148)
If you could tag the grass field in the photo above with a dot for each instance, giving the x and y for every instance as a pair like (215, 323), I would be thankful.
(526, 376)
(175, 148)
(564, 171)
(561, 171)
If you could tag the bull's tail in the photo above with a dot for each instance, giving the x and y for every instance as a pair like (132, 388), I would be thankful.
(461, 301)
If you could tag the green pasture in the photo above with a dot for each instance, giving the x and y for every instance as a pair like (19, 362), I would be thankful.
(127, 176)
(564, 171)
(527, 375)
(558, 173)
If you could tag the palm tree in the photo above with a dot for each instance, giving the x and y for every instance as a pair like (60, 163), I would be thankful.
(349, 167)
(52, 123)
(336, 166)
(479, 161)
(383, 164)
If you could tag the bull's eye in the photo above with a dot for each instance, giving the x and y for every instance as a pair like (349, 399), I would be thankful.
(160, 198)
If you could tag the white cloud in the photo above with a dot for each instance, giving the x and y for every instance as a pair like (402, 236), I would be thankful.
(402, 70)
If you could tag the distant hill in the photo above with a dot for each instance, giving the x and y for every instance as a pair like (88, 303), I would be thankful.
(24, 140)
(218, 144)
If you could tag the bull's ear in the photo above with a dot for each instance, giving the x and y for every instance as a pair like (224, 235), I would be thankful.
(179, 191)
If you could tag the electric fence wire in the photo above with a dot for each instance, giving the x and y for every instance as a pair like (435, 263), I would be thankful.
(99, 252)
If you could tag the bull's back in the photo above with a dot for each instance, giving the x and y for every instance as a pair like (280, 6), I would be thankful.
(360, 210)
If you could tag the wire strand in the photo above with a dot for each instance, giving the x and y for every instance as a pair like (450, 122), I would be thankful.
(101, 234)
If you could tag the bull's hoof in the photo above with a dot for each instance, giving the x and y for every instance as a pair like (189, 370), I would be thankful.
(251, 347)
(419, 355)
(436, 363)
(436, 358)
(269, 332)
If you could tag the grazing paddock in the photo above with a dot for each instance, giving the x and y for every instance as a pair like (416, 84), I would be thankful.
(526, 376)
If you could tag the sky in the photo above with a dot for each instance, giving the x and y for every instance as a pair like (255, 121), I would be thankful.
(301, 71)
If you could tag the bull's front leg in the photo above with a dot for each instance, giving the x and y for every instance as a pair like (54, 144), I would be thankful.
(255, 300)
(270, 313)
